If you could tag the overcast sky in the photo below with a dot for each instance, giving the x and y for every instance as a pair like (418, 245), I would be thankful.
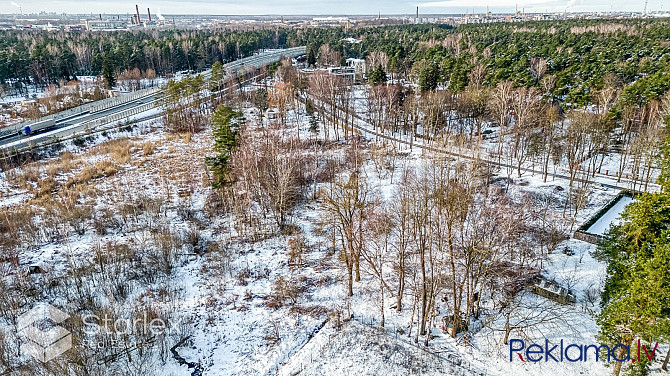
(352, 7)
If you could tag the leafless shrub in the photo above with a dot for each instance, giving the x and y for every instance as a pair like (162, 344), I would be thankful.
(190, 121)
(193, 236)
(287, 289)
(314, 311)
(296, 248)
(167, 247)
(185, 211)
(280, 177)
(272, 334)
(592, 295)
(328, 171)
(243, 275)
(215, 204)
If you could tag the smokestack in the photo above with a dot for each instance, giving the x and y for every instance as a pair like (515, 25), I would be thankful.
(100, 16)
(137, 12)
(149, 12)
(416, 19)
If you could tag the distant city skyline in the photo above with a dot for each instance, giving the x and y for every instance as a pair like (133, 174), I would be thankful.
(347, 7)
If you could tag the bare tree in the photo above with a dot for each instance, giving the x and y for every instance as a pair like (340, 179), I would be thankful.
(347, 204)
(377, 59)
(376, 248)
(500, 103)
(328, 57)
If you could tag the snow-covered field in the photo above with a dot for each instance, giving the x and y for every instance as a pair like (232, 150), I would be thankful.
(220, 286)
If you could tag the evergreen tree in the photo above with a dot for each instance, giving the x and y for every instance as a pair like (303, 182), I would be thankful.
(226, 125)
(217, 77)
(377, 76)
(108, 72)
(311, 58)
(635, 300)
(429, 77)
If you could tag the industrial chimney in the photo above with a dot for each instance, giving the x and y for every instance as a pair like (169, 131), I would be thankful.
(137, 12)
(149, 13)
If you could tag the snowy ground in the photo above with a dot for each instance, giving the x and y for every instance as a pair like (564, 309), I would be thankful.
(612, 217)
(607, 172)
(222, 296)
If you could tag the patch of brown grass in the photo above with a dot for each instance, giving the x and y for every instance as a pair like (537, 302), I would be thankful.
(119, 150)
(148, 148)
(65, 164)
(46, 187)
(121, 153)
(104, 168)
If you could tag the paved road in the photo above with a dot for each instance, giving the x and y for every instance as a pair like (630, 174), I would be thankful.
(84, 118)
(76, 122)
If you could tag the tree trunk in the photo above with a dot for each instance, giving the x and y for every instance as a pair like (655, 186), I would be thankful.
(350, 279)
(381, 304)
(401, 287)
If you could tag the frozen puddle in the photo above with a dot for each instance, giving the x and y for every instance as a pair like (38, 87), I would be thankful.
(613, 216)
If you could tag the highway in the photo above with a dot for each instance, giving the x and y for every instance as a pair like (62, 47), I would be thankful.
(83, 118)
(89, 116)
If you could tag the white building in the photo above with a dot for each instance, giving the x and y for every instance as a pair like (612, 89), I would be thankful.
(358, 64)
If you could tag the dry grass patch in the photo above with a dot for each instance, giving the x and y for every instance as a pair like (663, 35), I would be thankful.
(148, 148)
(63, 165)
(104, 168)
(46, 187)
(22, 177)
(121, 153)
(119, 150)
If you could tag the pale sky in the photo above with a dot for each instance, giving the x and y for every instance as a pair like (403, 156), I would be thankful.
(350, 7)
